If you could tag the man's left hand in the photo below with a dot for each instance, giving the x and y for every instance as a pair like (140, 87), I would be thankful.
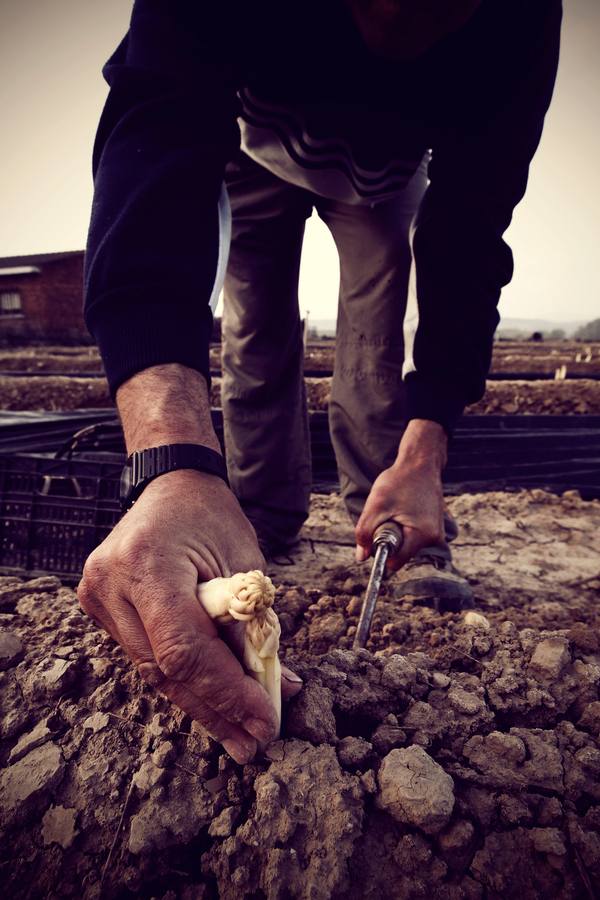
(409, 493)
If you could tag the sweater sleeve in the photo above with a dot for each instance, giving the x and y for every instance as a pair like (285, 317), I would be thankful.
(166, 132)
(478, 174)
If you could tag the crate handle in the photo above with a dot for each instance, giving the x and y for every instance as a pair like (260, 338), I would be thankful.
(69, 447)
(47, 481)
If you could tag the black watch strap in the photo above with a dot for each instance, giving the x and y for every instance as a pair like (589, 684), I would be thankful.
(143, 466)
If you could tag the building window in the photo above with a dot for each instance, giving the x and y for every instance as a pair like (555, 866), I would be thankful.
(10, 303)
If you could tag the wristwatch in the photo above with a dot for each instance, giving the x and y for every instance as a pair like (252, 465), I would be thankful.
(143, 466)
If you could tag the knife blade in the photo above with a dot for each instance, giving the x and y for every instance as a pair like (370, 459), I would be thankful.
(387, 541)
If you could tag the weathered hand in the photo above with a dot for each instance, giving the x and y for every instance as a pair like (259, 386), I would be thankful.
(409, 493)
(413, 499)
(140, 585)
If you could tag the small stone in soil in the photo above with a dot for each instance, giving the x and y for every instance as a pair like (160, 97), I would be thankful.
(353, 752)
(11, 650)
(398, 673)
(550, 657)
(164, 754)
(311, 715)
(49, 679)
(35, 738)
(457, 836)
(465, 701)
(58, 826)
(386, 737)
(224, 823)
(590, 718)
(96, 722)
(148, 775)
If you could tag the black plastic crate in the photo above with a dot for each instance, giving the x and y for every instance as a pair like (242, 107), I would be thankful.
(54, 512)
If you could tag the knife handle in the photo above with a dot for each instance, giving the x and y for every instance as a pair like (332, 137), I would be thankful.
(389, 533)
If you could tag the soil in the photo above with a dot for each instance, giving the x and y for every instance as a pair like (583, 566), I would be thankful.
(508, 356)
(53, 392)
(541, 358)
(455, 757)
(53, 387)
(60, 392)
(50, 359)
(568, 397)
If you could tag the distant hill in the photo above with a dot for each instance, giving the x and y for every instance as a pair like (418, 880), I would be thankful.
(527, 326)
(323, 326)
(507, 327)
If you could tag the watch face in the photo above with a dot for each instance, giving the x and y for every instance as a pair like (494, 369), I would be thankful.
(126, 483)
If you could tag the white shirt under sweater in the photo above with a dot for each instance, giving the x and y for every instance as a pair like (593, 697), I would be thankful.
(279, 139)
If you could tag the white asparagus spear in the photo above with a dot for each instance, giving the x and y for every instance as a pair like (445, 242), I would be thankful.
(248, 597)
(261, 647)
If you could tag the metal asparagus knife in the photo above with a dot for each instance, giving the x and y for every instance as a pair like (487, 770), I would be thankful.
(387, 541)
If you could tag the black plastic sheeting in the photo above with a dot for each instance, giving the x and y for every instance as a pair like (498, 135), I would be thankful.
(486, 453)
(59, 495)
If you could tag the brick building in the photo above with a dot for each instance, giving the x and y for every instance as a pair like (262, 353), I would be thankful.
(41, 298)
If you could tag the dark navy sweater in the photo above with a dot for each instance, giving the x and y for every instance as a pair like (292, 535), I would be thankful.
(170, 125)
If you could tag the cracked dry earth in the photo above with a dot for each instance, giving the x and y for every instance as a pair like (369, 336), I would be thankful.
(448, 760)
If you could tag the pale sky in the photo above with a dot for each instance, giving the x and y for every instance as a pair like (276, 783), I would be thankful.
(51, 96)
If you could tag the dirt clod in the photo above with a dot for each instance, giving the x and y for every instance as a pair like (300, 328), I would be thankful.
(354, 752)
(300, 833)
(415, 790)
(224, 823)
(170, 817)
(550, 657)
(25, 784)
(311, 715)
(11, 650)
(27, 742)
(58, 826)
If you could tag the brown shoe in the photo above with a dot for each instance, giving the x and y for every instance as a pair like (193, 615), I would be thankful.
(432, 580)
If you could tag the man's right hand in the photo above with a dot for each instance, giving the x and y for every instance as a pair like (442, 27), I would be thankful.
(185, 528)
(140, 585)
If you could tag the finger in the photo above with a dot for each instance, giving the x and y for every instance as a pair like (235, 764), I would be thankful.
(373, 515)
(94, 608)
(364, 537)
(291, 684)
(132, 636)
(186, 649)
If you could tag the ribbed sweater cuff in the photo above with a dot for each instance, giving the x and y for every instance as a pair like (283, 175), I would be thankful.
(134, 334)
(434, 400)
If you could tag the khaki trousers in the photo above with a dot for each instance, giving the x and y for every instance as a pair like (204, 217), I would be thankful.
(264, 402)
